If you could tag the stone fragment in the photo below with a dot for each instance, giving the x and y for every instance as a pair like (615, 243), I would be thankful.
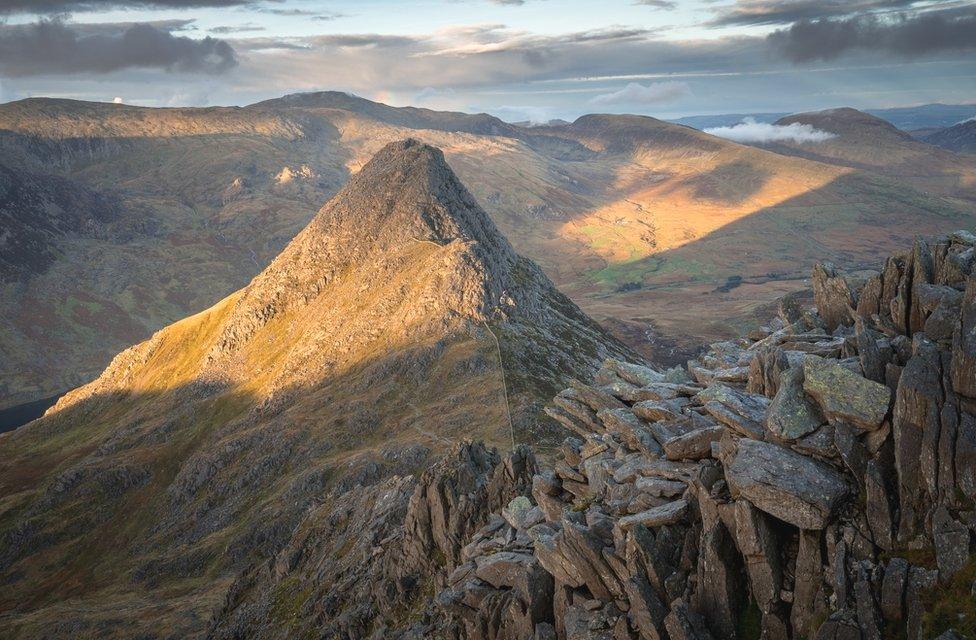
(660, 487)
(646, 609)
(893, 589)
(808, 592)
(951, 541)
(757, 543)
(832, 296)
(868, 616)
(785, 484)
(635, 374)
(843, 395)
(682, 623)
(693, 445)
(502, 569)
(963, 371)
(669, 513)
(878, 506)
(741, 411)
(792, 414)
(721, 594)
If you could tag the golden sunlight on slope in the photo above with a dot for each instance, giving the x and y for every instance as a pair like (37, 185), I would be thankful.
(667, 204)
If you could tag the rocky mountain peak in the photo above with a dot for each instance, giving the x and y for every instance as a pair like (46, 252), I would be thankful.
(407, 192)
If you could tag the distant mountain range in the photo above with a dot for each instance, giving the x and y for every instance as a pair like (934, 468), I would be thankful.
(922, 117)
(642, 223)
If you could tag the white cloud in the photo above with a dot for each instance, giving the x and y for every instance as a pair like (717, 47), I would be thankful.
(749, 131)
(635, 93)
(117, 100)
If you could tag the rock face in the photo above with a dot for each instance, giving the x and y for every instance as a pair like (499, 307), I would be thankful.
(803, 505)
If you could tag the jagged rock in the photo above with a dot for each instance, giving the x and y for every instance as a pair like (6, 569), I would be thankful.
(965, 456)
(878, 506)
(852, 450)
(893, 589)
(743, 412)
(919, 581)
(721, 594)
(545, 491)
(916, 426)
(682, 623)
(832, 296)
(654, 410)
(843, 395)
(694, 445)
(670, 513)
(502, 569)
(757, 543)
(808, 599)
(647, 612)
(635, 374)
(951, 541)
(840, 626)
(792, 415)
(660, 487)
(785, 484)
(964, 344)
(868, 616)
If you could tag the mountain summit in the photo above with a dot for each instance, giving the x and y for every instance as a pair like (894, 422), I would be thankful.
(399, 322)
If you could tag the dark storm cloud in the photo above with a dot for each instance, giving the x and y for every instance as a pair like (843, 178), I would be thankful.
(46, 7)
(55, 47)
(765, 12)
(901, 34)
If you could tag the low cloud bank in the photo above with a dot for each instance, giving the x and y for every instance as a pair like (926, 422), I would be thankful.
(635, 93)
(751, 132)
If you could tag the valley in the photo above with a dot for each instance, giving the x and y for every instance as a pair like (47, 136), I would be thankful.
(641, 222)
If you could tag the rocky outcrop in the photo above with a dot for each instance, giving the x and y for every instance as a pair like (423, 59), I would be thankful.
(801, 496)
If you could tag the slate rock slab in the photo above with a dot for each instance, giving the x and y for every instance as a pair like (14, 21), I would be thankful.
(785, 484)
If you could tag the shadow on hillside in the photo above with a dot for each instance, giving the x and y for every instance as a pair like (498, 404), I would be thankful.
(163, 488)
(785, 240)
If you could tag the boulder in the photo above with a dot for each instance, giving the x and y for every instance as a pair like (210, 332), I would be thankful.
(951, 541)
(893, 589)
(759, 547)
(693, 445)
(743, 412)
(792, 414)
(808, 600)
(504, 568)
(844, 395)
(785, 484)
(832, 296)
(963, 370)
(647, 612)
(722, 593)
(669, 513)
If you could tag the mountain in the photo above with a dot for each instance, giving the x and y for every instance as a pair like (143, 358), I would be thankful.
(960, 137)
(908, 119)
(866, 142)
(397, 323)
(626, 214)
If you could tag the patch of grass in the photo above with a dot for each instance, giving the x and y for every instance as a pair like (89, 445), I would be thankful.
(952, 606)
(749, 625)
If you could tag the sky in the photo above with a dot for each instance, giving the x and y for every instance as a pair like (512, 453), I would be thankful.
(517, 59)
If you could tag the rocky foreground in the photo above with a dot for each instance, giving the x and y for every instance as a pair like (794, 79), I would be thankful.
(814, 480)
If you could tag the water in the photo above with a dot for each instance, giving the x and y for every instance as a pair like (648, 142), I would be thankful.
(21, 414)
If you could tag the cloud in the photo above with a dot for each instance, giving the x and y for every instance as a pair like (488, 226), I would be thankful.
(241, 28)
(55, 47)
(635, 94)
(766, 12)
(657, 4)
(751, 132)
(43, 7)
(905, 35)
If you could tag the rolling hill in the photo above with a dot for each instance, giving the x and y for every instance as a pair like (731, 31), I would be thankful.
(642, 223)
(960, 137)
